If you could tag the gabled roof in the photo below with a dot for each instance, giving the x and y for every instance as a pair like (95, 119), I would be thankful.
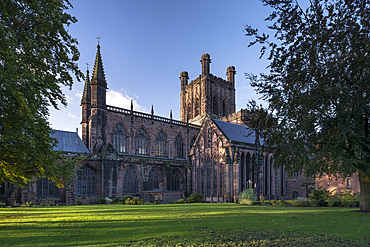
(69, 142)
(235, 132)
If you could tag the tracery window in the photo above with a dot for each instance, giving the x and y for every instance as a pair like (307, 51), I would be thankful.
(153, 179)
(47, 189)
(160, 145)
(130, 183)
(209, 179)
(215, 176)
(202, 178)
(86, 179)
(209, 137)
(178, 147)
(141, 142)
(119, 139)
(175, 181)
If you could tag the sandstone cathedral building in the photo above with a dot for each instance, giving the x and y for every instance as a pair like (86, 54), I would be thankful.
(210, 150)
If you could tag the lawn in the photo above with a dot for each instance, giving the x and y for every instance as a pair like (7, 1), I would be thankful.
(183, 225)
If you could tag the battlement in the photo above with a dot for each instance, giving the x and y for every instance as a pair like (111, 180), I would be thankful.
(150, 116)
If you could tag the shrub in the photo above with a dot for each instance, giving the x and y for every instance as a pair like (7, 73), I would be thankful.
(314, 203)
(262, 200)
(135, 200)
(102, 200)
(300, 202)
(319, 196)
(31, 204)
(287, 203)
(79, 202)
(196, 198)
(128, 201)
(17, 205)
(2, 205)
(273, 202)
(334, 201)
(108, 200)
(116, 200)
(181, 201)
(349, 199)
(246, 197)
(125, 197)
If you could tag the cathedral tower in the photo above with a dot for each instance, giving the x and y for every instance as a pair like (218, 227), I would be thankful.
(207, 93)
(97, 121)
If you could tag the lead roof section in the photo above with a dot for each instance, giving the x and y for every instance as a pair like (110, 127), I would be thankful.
(69, 142)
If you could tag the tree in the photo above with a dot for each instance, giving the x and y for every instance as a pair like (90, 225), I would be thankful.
(318, 87)
(37, 57)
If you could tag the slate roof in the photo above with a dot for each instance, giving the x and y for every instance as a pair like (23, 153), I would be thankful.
(69, 142)
(235, 132)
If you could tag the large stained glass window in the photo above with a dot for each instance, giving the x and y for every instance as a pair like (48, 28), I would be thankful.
(47, 189)
(86, 182)
(119, 139)
(178, 147)
(130, 182)
(160, 145)
(141, 142)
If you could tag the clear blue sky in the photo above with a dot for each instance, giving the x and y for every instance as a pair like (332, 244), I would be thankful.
(145, 44)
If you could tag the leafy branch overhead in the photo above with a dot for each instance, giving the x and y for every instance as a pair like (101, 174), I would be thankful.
(37, 57)
(317, 85)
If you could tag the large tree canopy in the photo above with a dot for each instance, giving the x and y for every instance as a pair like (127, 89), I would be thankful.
(37, 57)
(318, 87)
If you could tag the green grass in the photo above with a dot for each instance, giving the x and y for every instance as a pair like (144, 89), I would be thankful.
(183, 225)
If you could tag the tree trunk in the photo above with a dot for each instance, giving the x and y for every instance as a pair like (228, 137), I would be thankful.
(364, 178)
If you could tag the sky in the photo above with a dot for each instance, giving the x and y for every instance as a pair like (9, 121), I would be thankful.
(145, 44)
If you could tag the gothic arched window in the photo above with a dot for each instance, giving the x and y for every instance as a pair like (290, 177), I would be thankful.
(130, 183)
(47, 189)
(160, 145)
(295, 195)
(209, 183)
(175, 181)
(119, 139)
(202, 177)
(215, 105)
(141, 142)
(221, 179)
(189, 111)
(153, 179)
(215, 165)
(209, 137)
(178, 147)
(86, 178)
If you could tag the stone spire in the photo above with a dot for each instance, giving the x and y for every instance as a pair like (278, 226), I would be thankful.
(98, 73)
(86, 96)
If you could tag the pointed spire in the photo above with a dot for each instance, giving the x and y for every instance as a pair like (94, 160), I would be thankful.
(152, 110)
(98, 73)
(132, 106)
(86, 96)
(170, 114)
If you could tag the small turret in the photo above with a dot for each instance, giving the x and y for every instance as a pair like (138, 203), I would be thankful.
(231, 74)
(184, 79)
(206, 60)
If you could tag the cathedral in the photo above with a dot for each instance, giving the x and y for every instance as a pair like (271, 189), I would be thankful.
(210, 150)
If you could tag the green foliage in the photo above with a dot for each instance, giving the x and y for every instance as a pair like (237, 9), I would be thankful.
(319, 196)
(349, 199)
(300, 202)
(2, 205)
(246, 197)
(128, 201)
(334, 201)
(262, 200)
(317, 88)
(79, 202)
(37, 57)
(102, 200)
(196, 198)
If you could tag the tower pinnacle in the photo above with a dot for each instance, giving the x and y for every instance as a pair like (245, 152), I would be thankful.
(98, 73)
